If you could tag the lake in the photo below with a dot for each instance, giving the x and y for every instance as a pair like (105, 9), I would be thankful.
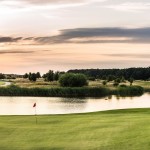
(52, 105)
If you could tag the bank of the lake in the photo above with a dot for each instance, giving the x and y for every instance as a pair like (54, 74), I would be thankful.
(115, 130)
(13, 90)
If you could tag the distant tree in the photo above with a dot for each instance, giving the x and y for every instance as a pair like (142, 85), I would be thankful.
(56, 75)
(44, 76)
(104, 82)
(136, 73)
(38, 75)
(104, 77)
(26, 75)
(91, 78)
(73, 80)
(122, 79)
(49, 76)
(32, 77)
(2, 76)
(118, 80)
(110, 78)
(115, 83)
(131, 80)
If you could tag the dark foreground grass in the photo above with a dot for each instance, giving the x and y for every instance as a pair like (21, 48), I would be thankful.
(111, 130)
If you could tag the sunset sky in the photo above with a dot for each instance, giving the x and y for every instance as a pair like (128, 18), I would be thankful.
(39, 35)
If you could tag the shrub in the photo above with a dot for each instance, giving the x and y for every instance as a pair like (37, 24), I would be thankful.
(130, 91)
(123, 85)
(104, 82)
(73, 80)
(115, 84)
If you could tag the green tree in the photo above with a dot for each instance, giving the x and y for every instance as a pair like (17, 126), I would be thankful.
(118, 80)
(56, 75)
(38, 75)
(73, 80)
(2, 76)
(104, 82)
(49, 76)
(26, 75)
(110, 78)
(131, 80)
(32, 77)
(115, 83)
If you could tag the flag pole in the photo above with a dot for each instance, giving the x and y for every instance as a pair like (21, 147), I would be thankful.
(35, 115)
(34, 105)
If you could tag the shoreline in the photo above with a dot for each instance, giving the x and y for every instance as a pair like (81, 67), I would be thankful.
(13, 90)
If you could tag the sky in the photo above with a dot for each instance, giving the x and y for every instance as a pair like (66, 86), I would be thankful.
(42, 35)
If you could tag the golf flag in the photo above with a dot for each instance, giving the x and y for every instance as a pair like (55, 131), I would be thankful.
(34, 105)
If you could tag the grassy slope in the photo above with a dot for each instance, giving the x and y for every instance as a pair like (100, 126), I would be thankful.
(111, 130)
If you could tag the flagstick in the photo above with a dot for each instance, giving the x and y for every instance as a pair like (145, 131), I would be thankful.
(35, 115)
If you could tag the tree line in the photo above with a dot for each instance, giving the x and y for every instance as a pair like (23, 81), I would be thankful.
(112, 74)
(65, 79)
(49, 76)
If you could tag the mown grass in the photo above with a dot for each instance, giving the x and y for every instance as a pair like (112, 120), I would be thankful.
(110, 130)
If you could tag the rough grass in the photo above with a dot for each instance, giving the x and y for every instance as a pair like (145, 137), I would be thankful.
(110, 130)
(40, 83)
(2, 83)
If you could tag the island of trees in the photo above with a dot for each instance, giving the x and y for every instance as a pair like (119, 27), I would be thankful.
(77, 82)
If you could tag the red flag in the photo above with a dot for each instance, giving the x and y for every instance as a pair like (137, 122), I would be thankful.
(34, 105)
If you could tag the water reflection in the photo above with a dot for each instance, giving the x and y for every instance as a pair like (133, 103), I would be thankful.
(45, 105)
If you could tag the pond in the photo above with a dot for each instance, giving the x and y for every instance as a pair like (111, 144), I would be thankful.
(51, 105)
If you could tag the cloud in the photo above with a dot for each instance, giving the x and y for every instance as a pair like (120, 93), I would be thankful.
(9, 39)
(130, 6)
(87, 36)
(141, 56)
(14, 52)
(46, 4)
(98, 35)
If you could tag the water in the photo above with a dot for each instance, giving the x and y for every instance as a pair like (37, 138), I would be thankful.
(24, 105)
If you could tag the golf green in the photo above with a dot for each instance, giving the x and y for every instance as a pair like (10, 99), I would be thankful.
(109, 130)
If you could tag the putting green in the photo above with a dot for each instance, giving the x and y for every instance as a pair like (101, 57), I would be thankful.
(110, 130)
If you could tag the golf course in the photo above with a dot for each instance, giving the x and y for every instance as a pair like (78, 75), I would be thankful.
(108, 130)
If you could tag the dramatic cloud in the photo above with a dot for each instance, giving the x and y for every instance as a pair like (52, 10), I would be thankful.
(98, 35)
(88, 36)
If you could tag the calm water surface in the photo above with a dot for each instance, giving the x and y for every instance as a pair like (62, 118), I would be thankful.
(24, 105)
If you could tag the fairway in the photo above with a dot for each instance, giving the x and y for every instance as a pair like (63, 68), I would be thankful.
(110, 130)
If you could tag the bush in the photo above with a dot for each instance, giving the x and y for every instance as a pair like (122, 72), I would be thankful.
(73, 80)
(130, 91)
(91, 79)
(32, 77)
(104, 82)
(123, 85)
(115, 84)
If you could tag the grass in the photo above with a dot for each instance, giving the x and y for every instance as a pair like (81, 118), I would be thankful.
(110, 130)
(40, 83)
(2, 83)
(14, 90)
